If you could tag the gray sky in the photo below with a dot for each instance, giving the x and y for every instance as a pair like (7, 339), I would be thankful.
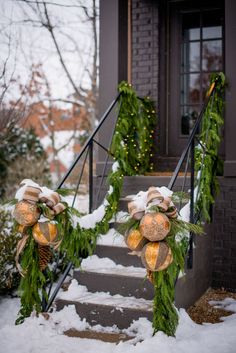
(24, 43)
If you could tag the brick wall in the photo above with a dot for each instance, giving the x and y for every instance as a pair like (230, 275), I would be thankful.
(224, 236)
(145, 47)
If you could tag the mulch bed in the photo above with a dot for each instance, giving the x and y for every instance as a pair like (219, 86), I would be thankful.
(202, 311)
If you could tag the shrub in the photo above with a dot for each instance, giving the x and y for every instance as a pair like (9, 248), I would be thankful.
(9, 276)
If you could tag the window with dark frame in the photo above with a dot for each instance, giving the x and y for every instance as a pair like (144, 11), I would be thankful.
(201, 55)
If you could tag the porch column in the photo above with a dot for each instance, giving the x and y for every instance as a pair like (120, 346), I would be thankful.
(113, 62)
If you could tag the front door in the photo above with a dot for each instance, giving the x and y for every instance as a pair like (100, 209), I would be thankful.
(195, 51)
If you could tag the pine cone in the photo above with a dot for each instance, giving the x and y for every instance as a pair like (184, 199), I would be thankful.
(44, 256)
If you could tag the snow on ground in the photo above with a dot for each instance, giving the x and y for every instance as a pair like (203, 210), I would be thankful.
(38, 335)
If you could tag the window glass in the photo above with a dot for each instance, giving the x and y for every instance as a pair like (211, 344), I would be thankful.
(201, 54)
(212, 55)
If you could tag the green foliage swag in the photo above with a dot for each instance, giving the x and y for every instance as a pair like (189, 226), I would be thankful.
(131, 147)
(208, 163)
(165, 315)
(133, 139)
(135, 121)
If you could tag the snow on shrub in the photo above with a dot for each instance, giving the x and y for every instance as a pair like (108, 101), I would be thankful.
(9, 276)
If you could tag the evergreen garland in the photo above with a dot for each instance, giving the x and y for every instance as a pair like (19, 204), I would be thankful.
(133, 139)
(207, 160)
(165, 315)
(77, 243)
(135, 123)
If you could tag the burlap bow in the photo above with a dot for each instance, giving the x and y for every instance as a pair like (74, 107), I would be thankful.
(34, 194)
(52, 200)
(154, 201)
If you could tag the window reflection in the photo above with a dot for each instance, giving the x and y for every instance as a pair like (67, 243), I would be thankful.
(212, 55)
(190, 89)
(189, 116)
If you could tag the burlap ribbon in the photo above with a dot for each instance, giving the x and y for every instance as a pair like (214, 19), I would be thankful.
(34, 194)
(154, 199)
(19, 248)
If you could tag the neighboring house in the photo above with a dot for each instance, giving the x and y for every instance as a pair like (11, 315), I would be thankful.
(60, 130)
(167, 50)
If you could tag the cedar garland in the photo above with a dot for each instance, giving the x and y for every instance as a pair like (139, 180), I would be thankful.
(131, 146)
(76, 242)
(133, 139)
(207, 159)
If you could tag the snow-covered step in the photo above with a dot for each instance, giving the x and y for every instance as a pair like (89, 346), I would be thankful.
(115, 283)
(103, 274)
(103, 308)
(112, 238)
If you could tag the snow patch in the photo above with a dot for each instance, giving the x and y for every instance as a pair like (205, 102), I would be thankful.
(38, 335)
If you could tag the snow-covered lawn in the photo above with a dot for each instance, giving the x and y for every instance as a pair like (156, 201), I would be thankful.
(37, 335)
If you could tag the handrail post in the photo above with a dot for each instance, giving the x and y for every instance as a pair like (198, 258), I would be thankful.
(190, 252)
(91, 176)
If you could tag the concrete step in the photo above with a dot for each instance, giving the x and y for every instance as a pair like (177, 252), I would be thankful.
(119, 254)
(128, 283)
(117, 310)
(133, 184)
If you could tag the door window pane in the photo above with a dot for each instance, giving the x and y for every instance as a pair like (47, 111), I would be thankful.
(191, 56)
(192, 34)
(190, 89)
(211, 32)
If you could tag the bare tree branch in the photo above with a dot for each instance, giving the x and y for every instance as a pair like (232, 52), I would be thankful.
(49, 26)
(48, 3)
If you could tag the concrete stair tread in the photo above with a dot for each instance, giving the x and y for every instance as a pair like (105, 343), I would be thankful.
(104, 299)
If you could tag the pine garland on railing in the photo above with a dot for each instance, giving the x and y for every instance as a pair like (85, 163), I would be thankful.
(207, 160)
(133, 139)
(157, 228)
(77, 242)
(133, 134)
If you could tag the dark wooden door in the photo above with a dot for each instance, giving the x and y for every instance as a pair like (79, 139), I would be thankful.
(196, 45)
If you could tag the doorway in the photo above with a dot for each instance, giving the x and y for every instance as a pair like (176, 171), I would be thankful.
(195, 49)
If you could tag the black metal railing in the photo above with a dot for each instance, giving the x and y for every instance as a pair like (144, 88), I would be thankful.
(186, 162)
(189, 179)
(87, 154)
